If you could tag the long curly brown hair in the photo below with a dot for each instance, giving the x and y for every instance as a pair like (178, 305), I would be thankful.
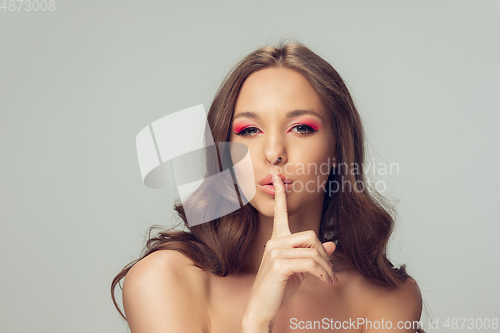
(360, 221)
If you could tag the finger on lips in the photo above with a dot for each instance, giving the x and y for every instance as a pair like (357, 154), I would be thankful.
(281, 228)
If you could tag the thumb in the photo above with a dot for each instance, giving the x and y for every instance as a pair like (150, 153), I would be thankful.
(329, 247)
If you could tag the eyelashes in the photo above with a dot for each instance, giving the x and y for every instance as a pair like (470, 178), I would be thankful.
(302, 130)
(245, 131)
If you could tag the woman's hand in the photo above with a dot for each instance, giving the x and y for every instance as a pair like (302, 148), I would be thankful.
(287, 258)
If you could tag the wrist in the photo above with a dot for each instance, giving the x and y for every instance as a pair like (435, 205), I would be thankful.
(252, 324)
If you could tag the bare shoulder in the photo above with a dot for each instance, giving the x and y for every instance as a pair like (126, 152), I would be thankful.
(376, 303)
(402, 303)
(169, 266)
(164, 292)
(406, 294)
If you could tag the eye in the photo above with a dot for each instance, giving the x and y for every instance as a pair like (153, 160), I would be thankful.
(304, 129)
(248, 131)
(300, 129)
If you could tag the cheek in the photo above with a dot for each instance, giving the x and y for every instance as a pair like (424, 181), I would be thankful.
(314, 156)
(312, 165)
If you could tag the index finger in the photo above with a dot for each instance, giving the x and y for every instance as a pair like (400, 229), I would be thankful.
(280, 227)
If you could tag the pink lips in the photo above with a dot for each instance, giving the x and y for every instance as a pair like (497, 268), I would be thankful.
(269, 180)
(266, 184)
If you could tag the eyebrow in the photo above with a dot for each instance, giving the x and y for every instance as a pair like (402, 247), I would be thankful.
(291, 114)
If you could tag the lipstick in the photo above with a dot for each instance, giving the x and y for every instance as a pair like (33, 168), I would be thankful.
(266, 184)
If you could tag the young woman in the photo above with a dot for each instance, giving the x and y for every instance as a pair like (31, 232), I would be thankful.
(308, 253)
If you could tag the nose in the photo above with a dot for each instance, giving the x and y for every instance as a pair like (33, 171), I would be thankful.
(275, 151)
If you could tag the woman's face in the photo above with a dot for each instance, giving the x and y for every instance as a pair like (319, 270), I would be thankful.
(279, 114)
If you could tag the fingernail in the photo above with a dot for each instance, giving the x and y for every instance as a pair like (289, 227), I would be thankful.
(330, 279)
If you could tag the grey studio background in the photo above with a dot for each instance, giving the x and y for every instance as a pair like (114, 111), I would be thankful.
(78, 83)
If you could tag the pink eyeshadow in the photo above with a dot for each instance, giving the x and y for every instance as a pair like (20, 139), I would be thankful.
(240, 126)
(311, 123)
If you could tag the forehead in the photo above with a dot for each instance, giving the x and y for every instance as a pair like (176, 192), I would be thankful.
(277, 91)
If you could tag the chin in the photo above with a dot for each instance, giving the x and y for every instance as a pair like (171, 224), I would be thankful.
(264, 203)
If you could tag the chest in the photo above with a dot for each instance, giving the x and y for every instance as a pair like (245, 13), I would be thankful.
(315, 307)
